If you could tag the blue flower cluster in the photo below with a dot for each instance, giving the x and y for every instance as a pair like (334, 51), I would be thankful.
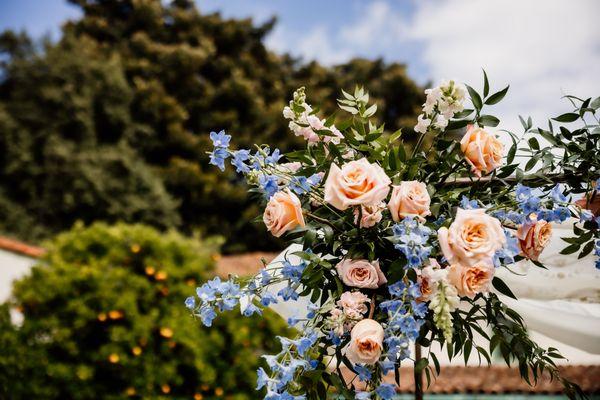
(411, 238)
(214, 294)
(530, 202)
(301, 184)
(220, 152)
(405, 318)
(467, 204)
(292, 358)
(506, 255)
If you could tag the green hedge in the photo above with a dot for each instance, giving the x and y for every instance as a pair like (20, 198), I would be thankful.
(104, 318)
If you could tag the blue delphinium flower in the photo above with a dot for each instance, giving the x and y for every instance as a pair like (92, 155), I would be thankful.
(557, 195)
(561, 214)
(288, 293)
(267, 298)
(273, 158)
(467, 204)
(262, 378)
(386, 391)
(265, 277)
(506, 255)
(268, 184)
(238, 161)
(597, 186)
(312, 309)
(218, 157)
(251, 309)
(419, 309)
(586, 215)
(411, 240)
(305, 342)
(293, 272)
(207, 315)
(220, 139)
(334, 338)
(293, 320)
(362, 396)
(301, 184)
(364, 374)
(528, 202)
(190, 302)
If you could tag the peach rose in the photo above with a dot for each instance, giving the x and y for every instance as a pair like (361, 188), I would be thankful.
(428, 278)
(473, 236)
(354, 304)
(369, 215)
(469, 281)
(366, 342)
(409, 198)
(356, 183)
(283, 213)
(482, 150)
(361, 273)
(533, 237)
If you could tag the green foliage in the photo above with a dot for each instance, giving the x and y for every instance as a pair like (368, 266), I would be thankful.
(104, 318)
(112, 121)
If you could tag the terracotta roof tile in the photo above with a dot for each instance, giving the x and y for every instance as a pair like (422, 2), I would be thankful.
(25, 249)
(242, 264)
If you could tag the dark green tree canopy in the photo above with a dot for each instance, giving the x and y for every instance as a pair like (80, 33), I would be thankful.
(111, 122)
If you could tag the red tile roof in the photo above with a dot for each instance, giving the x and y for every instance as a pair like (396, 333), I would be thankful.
(21, 248)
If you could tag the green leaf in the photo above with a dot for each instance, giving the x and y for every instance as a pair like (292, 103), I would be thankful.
(595, 104)
(351, 110)
(421, 364)
(467, 350)
(486, 84)
(370, 111)
(503, 287)
(534, 144)
(567, 117)
(436, 363)
(587, 249)
(497, 97)
(548, 136)
(475, 98)
(570, 249)
(488, 120)
(392, 160)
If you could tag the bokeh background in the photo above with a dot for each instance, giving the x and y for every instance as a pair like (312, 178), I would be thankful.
(105, 110)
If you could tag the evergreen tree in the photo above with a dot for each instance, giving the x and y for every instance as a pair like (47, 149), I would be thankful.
(111, 122)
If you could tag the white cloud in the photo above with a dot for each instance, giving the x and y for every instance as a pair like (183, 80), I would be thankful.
(543, 48)
(374, 29)
(379, 26)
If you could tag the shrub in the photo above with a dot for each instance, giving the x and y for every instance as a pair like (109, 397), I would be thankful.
(104, 318)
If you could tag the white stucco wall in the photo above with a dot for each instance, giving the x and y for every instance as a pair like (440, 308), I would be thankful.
(12, 266)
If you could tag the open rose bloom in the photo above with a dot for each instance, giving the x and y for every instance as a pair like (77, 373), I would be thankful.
(534, 236)
(483, 151)
(356, 183)
(398, 241)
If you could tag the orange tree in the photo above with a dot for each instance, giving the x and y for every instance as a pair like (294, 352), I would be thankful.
(104, 318)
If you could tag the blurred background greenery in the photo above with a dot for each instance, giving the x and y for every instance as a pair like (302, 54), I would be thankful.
(110, 123)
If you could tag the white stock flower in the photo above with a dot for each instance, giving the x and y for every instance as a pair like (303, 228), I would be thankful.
(440, 122)
(422, 124)
(444, 300)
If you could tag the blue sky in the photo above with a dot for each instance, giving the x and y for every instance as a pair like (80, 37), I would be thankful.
(543, 48)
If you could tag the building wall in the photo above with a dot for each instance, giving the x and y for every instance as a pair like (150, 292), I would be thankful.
(12, 266)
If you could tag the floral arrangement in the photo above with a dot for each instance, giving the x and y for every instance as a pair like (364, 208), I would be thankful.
(400, 243)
